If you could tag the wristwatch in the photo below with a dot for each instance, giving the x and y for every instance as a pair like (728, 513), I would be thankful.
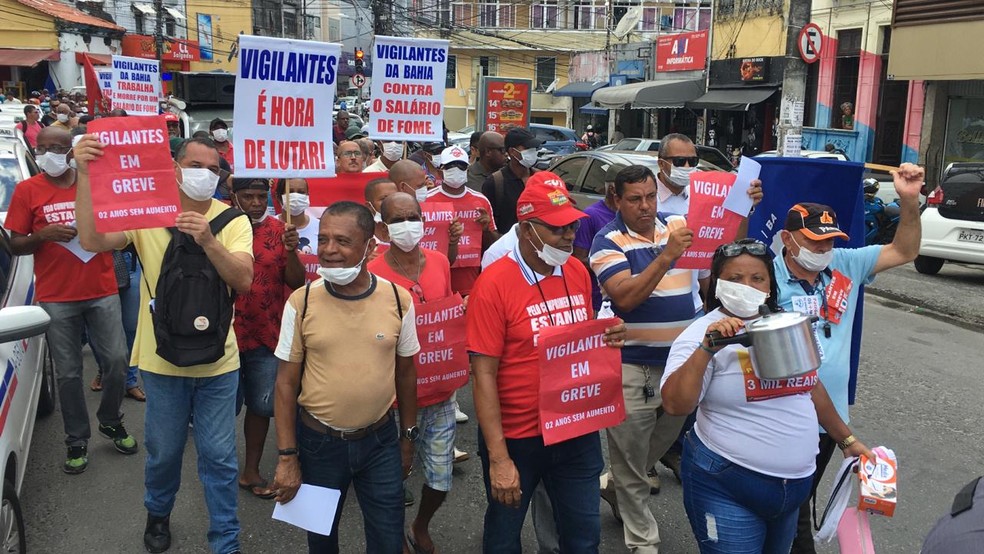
(411, 433)
(847, 442)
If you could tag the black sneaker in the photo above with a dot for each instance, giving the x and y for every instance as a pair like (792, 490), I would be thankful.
(157, 533)
(77, 461)
(123, 441)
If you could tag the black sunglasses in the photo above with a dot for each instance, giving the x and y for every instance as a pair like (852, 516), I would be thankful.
(559, 229)
(681, 161)
(739, 247)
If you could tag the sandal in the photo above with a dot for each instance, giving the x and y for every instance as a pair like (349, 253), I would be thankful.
(411, 540)
(263, 491)
(96, 385)
(137, 394)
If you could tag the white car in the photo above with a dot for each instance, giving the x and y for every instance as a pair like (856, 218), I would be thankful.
(953, 220)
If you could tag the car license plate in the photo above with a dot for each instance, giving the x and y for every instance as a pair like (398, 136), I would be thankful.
(971, 235)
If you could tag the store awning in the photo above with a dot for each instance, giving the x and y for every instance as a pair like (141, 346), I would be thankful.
(649, 94)
(96, 59)
(734, 99)
(27, 58)
(145, 9)
(581, 89)
(592, 110)
(174, 13)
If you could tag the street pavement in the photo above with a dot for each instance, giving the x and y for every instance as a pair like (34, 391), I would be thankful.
(919, 393)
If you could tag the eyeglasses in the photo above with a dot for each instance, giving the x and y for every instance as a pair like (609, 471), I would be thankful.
(353, 154)
(739, 247)
(42, 150)
(681, 161)
(559, 230)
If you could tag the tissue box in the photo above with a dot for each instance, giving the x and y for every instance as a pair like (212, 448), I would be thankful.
(879, 485)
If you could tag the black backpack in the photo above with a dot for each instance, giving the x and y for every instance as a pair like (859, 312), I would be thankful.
(193, 307)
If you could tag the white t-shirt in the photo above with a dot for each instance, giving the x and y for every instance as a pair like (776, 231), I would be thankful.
(506, 243)
(777, 437)
(310, 232)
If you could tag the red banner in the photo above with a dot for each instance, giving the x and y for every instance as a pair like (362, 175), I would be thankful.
(325, 191)
(133, 183)
(311, 265)
(681, 52)
(470, 245)
(580, 381)
(507, 104)
(442, 363)
(712, 224)
(437, 223)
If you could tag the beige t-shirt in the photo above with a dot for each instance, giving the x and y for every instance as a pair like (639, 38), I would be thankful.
(349, 348)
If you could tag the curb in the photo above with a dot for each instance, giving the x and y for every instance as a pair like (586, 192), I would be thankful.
(917, 305)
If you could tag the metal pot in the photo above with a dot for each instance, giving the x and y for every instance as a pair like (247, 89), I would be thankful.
(782, 344)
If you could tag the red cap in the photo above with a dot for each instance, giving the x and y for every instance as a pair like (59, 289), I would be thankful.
(170, 116)
(545, 198)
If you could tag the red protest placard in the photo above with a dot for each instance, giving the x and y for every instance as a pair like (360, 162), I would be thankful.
(442, 363)
(437, 223)
(133, 183)
(325, 191)
(712, 224)
(470, 245)
(311, 265)
(580, 381)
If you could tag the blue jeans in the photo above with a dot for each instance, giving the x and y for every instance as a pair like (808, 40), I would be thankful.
(130, 303)
(171, 401)
(373, 465)
(258, 375)
(570, 471)
(734, 510)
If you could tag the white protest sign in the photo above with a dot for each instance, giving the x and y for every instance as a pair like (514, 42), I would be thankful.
(285, 91)
(408, 76)
(105, 82)
(136, 85)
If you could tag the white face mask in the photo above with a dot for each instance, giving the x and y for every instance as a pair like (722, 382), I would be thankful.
(298, 202)
(528, 158)
(741, 300)
(455, 177)
(342, 276)
(406, 235)
(62, 117)
(376, 216)
(55, 165)
(680, 176)
(220, 135)
(198, 183)
(420, 194)
(811, 261)
(392, 151)
(550, 255)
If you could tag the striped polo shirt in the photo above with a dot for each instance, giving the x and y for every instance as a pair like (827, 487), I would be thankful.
(655, 324)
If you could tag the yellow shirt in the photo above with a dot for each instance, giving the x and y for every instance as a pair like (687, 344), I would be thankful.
(237, 236)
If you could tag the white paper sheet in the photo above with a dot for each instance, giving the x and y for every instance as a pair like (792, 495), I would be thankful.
(312, 509)
(738, 200)
(75, 247)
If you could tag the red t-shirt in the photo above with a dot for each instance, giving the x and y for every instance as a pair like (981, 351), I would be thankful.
(60, 275)
(258, 312)
(31, 132)
(227, 155)
(466, 207)
(505, 313)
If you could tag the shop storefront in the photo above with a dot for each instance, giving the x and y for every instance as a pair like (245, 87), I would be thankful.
(24, 70)
(742, 102)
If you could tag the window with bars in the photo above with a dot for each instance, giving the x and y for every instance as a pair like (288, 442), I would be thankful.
(485, 66)
(692, 19)
(463, 14)
(546, 72)
(139, 22)
(846, 77)
(496, 14)
(434, 12)
(169, 26)
(650, 19)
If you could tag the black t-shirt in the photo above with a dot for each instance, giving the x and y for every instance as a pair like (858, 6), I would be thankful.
(504, 203)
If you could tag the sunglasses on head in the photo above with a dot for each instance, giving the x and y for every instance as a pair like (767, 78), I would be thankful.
(681, 161)
(739, 247)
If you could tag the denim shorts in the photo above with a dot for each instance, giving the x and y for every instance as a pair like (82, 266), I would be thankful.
(258, 376)
(435, 447)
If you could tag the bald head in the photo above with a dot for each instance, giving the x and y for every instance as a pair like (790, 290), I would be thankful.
(54, 136)
(492, 151)
(490, 139)
(407, 171)
(399, 205)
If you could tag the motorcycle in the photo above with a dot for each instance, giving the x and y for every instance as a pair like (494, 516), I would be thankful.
(881, 219)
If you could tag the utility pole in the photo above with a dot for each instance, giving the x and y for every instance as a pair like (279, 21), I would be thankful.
(793, 81)
(159, 28)
(382, 17)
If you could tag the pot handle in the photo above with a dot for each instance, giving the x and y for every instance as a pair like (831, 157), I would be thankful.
(715, 339)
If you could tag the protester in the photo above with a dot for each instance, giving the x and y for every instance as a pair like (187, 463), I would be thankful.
(340, 382)
(591, 138)
(51, 115)
(63, 115)
(303, 216)
(392, 152)
(427, 275)
(348, 157)
(173, 124)
(219, 131)
(376, 191)
(748, 462)
(599, 215)
(368, 150)
(411, 179)
(633, 257)
(428, 159)
(811, 270)
(501, 337)
(491, 156)
(341, 125)
(617, 136)
(473, 146)
(276, 268)
(504, 186)
(79, 292)
(206, 392)
(31, 125)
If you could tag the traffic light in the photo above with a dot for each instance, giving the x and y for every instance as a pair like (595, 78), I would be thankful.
(359, 62)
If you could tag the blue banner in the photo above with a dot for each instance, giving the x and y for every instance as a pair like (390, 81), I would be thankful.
(788, 181)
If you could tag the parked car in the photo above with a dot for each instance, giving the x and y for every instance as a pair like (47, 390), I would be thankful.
(708, 154)
(953, 219)
(812, 154)
(559, 140)
(16, 164)
(584, 172)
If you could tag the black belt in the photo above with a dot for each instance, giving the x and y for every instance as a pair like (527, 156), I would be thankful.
(356, 434)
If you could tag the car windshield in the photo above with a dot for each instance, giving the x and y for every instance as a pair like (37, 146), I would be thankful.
(10, 175)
